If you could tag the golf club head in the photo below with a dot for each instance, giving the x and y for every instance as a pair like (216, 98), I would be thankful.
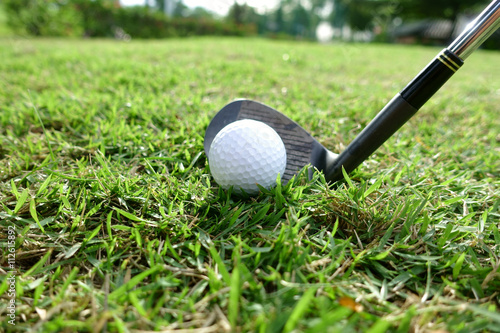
(301, 148)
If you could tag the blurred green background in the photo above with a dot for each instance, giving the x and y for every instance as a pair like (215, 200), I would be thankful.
(389, 21)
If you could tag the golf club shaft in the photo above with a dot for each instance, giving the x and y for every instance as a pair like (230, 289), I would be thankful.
(406, 103)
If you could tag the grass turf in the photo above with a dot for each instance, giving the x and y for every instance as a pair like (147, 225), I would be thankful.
(120, 227)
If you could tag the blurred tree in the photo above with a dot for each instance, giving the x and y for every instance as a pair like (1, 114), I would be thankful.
(297, 17)
(236, 13)
(442, 9)
(280, 19)
(242, 14)
(44, 17)
(301, 21)
(164, 6)
(180, 9)
(360, 14)
(176, 8)
(315, 4)
(447, 9)
(200, 13)
(338, 16)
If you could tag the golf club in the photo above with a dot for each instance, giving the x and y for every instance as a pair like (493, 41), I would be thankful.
(302, 149)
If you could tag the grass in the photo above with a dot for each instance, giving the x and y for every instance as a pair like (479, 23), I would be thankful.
(120, 227)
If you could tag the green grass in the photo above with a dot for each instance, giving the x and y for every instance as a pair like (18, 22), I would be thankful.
(120, 227)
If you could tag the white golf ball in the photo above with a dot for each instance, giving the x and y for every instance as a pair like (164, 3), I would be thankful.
(246, 153)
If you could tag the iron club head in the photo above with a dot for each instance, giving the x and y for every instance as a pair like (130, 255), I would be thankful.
(301, 148)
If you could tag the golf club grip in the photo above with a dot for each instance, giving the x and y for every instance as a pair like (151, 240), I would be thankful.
(395, 114)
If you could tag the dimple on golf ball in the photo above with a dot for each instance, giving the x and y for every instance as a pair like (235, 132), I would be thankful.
(246, 153)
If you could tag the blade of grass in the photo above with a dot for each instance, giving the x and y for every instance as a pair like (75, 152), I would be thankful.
(234, 297)
(132, 283)
(300, 310)
(21, 200)
(220, 265)
(46, 135)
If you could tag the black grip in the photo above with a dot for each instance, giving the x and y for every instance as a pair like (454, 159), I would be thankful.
(431, 79)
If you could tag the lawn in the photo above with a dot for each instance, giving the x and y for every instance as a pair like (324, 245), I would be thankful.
(111, 222)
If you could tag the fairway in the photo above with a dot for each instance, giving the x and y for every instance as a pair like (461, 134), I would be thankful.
(111, 221)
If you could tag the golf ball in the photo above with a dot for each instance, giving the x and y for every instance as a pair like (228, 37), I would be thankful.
(246, 153)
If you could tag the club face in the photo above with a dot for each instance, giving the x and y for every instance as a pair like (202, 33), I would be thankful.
(301, 148)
